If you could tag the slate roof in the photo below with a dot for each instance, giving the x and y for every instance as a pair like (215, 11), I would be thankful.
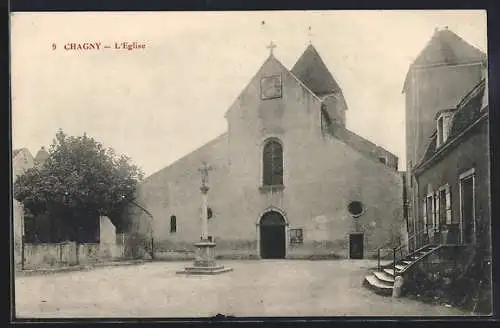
(467, 112)
(446, 47)
(312, 71)
(358, 143)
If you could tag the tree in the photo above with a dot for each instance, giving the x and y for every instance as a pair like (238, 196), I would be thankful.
(80, 181)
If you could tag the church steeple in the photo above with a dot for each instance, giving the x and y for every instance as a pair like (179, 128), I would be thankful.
(312, 71)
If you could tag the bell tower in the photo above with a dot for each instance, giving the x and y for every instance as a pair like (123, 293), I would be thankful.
(312, 71)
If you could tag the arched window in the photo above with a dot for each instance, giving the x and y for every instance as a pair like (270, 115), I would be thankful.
(273, 163)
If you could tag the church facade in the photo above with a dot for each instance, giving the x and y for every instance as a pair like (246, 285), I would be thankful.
(287, 179)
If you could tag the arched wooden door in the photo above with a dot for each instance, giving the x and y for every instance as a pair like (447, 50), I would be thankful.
(272, 236)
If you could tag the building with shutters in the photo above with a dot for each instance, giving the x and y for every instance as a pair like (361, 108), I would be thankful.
(447, 253)
(453, 177)
(447, 142)
(288, 178)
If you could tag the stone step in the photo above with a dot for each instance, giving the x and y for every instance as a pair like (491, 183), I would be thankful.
(400, 267)
(197, 270)
(407, 262)
(384, 276)
(390, 271)
(378, 285)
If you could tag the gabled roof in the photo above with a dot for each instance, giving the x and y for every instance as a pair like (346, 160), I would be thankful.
(312, 71)
(446, 48)
(358, 143)
(272, 60)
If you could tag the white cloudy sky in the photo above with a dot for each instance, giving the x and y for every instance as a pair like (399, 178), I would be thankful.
(158, 104)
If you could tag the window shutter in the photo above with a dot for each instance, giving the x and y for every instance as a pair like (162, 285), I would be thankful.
(448, 205)
(425, 215)
(433, 206)
(436, 216)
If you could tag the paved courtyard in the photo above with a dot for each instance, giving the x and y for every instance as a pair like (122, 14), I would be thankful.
(254, 288)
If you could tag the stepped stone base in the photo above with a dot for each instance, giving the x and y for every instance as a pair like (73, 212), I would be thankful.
(199, 270)
(205, 261)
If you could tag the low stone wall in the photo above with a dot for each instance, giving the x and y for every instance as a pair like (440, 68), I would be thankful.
(88, 253)
(438, 270)
(49, 255)
(17, 254)
(111, 251)
(38, 256)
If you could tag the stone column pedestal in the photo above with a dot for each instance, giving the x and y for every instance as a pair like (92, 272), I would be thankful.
(204, 262)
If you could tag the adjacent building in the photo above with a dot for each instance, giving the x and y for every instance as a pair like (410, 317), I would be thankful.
(453, 178)
(444, 72)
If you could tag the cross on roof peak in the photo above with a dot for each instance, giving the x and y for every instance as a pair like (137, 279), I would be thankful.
(310, 34)
(271, 47)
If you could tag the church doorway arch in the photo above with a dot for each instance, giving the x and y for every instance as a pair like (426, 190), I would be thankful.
(272, 235)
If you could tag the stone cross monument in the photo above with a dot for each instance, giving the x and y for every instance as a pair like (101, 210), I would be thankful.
(204, 262)
(204, 194)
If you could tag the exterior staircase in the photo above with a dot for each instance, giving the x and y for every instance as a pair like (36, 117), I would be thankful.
(382, 280)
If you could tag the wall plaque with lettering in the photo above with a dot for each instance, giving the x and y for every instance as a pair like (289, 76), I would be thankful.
(270, 87)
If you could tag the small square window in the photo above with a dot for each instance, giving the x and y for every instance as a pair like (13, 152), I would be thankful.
(270, 87)
(296, 236)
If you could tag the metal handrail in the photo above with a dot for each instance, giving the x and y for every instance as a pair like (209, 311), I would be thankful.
(400, 248)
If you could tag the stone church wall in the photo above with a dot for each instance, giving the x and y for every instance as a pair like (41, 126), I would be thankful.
(322, 175)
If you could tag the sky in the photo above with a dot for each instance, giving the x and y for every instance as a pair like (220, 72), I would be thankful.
(157, 104)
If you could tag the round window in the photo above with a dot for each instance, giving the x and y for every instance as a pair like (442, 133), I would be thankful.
(355, 208)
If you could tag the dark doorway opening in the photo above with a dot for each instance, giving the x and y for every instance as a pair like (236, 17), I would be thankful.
(272, 236)
(356, 246)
